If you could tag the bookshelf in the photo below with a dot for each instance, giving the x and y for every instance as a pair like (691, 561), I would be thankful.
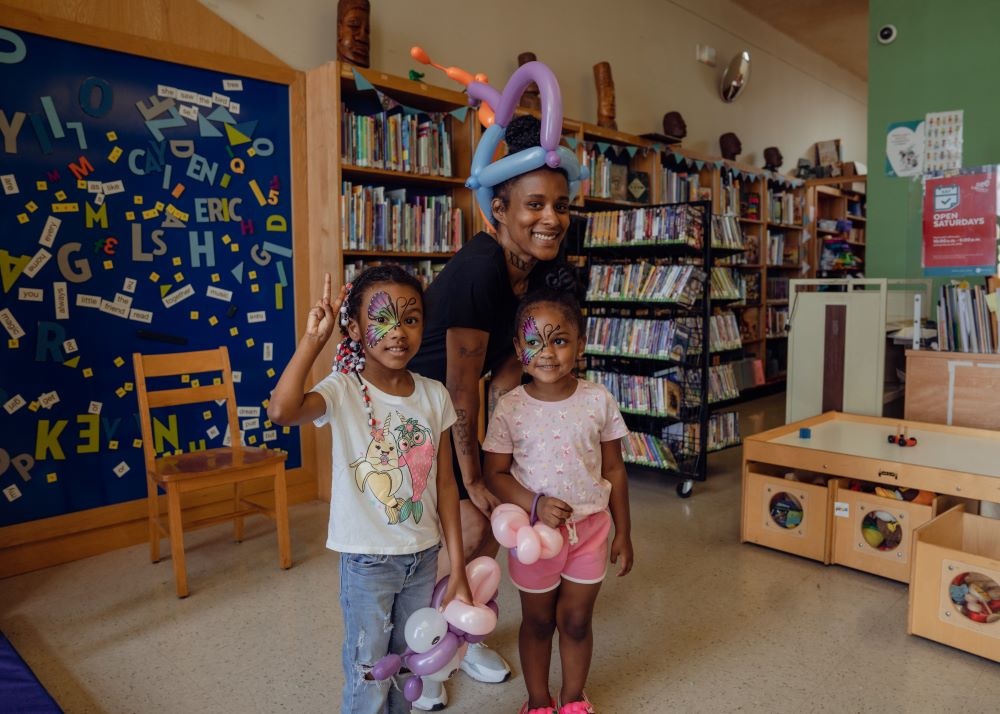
(658, 334)
(840, 207)
(785, 256)
(388, 160)
(622, 167)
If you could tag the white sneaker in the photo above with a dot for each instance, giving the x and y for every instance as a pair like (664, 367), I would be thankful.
(434, 697)
(484, 665)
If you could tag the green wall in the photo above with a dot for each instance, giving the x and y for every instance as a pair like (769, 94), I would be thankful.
(944, 58)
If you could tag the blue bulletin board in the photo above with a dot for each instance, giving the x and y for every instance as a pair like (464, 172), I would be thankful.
(145, 206)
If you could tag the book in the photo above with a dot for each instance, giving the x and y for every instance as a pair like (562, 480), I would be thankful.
(619, 182)
(638, 186)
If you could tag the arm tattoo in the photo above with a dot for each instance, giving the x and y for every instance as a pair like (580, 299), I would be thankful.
(461, 429)
(465, 352)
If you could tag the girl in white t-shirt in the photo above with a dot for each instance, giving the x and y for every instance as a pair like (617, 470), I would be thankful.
(394, 493)
(553, 448)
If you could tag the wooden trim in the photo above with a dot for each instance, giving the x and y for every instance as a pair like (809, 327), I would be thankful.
(50, 26)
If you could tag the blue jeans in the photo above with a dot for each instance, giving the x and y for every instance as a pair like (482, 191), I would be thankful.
(377, 595)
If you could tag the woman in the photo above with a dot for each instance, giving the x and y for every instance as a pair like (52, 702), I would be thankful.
(469, 331)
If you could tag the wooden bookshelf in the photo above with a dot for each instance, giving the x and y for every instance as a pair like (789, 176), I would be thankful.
(332, 91)
(839, 206)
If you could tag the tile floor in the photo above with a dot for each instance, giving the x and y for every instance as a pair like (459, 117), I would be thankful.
(703, 624)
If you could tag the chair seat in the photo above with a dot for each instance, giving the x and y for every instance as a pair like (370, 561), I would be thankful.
(220, 460)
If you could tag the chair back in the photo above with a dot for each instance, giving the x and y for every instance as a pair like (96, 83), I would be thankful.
(177, 364)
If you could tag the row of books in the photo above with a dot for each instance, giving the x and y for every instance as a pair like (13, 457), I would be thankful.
(748, 285)
(748, 256)
(722, 385)
(645, 281)
(782, 249)
(662, 339)
(684, 437)
(724, 332)
(395, 141)
(785, 208)
(777, 288)
(607, 178)
(376, 218)
(656, 225)
(423, 270)
(749, 372)
(726, 232)
(648, 450)
(777, 321)
(679, 186)
(650, 395)
(724, 286)
(964, 319)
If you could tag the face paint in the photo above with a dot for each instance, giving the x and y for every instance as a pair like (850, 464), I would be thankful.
(383, 315)
(533, 340)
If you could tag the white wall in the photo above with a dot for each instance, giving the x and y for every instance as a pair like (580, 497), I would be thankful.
(793, 99)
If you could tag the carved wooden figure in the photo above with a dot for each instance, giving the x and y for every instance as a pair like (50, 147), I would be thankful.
(605, 95)
(353, 32)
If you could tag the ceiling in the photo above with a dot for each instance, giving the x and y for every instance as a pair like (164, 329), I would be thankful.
(835, 30)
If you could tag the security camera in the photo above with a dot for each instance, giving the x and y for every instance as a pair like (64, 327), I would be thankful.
(887, 34)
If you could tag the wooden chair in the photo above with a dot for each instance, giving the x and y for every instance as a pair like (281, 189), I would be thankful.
(184, 473)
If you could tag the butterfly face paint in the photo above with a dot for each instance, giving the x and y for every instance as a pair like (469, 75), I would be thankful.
(534, 340)
(384, 315)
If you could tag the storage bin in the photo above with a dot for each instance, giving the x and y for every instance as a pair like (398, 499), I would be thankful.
(875, 534)
(955, 583)
(787, 515)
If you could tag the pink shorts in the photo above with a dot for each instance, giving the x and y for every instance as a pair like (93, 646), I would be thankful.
(585, 561)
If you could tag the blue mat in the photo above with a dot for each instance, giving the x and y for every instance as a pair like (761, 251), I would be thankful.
(20, 690)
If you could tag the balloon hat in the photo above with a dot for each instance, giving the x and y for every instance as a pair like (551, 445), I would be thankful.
(496, 109)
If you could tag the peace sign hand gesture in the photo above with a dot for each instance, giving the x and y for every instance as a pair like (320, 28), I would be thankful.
(324, 315)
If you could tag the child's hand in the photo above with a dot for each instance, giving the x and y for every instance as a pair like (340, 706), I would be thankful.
(621, 552)
(324, 315)
(552, 512)
(458, 587)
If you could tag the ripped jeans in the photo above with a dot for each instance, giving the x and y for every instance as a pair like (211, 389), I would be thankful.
(377, 594)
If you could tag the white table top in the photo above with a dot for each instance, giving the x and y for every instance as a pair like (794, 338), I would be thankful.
(934, 449)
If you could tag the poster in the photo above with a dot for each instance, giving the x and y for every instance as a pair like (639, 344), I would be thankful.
(904, 148)
(943, 141)
(145, 206)
(960, 224)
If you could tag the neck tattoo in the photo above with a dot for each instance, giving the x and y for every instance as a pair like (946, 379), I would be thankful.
(520, 263)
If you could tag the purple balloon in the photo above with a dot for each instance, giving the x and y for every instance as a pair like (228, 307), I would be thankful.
(492, 604)
(438, 595)
(484, 93)
(548, 89)
(435, 658)
(413, 687)
(387, 666)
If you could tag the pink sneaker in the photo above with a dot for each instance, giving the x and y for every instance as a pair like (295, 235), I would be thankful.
(582, 706)
(551, 709)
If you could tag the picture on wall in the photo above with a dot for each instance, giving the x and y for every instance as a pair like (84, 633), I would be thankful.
(145, 206)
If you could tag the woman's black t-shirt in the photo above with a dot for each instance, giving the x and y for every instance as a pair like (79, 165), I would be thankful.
(472, 291)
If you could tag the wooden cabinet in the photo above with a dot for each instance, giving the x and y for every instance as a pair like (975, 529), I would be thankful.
(952, 388)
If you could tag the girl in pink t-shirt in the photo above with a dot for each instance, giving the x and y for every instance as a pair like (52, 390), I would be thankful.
(553, 448)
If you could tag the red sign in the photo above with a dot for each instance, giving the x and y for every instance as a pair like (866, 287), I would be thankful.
(960, 224)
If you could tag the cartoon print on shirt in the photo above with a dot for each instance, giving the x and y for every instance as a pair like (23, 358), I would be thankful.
(416, 452)
(379, 471)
